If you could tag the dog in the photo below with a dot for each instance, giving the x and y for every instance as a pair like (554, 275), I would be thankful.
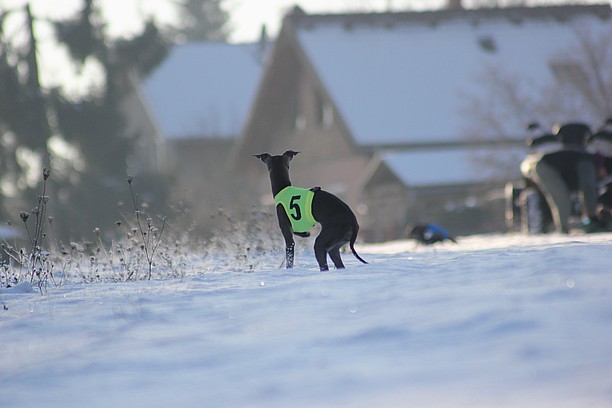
(298, 210)
(429, 234)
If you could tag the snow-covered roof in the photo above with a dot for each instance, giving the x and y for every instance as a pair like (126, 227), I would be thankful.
(437, 167)
(406, 81)
(204, 89)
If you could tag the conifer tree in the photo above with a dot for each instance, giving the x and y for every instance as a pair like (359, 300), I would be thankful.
(84, 137)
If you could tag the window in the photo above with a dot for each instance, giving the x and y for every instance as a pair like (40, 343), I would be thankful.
(299, 120)
(324, 112)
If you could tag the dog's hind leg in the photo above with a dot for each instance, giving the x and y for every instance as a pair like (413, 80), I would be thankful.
(320, 249)
(329, 241)
(334, 254)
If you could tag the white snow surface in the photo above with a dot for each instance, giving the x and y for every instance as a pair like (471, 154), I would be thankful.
(493, 321)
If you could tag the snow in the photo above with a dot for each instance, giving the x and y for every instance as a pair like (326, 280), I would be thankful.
(204, 89)
(497, 320)
(411, 83)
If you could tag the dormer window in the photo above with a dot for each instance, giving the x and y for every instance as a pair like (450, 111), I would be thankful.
(487, 43)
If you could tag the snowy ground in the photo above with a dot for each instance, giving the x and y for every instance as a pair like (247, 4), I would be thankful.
(495, 321)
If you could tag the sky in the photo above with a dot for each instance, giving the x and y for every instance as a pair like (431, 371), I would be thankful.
(248, 16)
(124, 17)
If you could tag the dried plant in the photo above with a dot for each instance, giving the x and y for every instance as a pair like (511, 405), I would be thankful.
(37, 261)
(150, 235)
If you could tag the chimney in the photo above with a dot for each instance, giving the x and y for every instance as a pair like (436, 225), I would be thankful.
(263, 36)
(262, 45)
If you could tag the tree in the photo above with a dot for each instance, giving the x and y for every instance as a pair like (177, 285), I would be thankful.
(581, 88)
(194, 12)
(585, 73)
(82, 137)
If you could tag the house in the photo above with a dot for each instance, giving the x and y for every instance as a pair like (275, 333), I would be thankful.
(199, 99)
(399, 113)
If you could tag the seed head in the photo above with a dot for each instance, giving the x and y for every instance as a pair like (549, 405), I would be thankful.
(24, 215)
(46, 173)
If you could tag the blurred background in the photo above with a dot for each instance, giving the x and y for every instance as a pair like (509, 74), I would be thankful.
(409, 111)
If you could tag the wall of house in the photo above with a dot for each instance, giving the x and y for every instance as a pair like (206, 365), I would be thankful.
(316, 129)
(390, 207)
(272, 113)
(385, 211)
(140, 123)
(391, 210)
(383, 205)
(462, 210)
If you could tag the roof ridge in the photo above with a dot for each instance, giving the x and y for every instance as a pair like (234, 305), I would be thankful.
(299, 18)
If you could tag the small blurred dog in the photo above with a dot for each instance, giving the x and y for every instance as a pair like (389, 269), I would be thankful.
(429, 234)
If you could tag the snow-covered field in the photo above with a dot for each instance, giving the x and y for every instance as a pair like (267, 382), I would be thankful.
(494, 321)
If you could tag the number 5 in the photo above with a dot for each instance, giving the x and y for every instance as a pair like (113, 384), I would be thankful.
(295, 207)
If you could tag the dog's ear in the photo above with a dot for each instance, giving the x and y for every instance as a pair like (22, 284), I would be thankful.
(289, 154)
(264, 157)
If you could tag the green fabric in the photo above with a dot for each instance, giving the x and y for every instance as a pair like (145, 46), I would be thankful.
(297, 203)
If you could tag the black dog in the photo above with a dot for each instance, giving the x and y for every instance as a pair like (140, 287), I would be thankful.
(298, 210)
(429, 234)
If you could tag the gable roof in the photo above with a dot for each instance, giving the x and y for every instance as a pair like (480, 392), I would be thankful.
(204, 89)
(402, 78)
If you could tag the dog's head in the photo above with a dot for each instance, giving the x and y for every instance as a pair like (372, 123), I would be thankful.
(277, 162)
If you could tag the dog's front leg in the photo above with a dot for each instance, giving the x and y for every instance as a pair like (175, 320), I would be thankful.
(285, 226)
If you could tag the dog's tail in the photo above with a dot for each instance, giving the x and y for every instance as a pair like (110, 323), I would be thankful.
(352, 243)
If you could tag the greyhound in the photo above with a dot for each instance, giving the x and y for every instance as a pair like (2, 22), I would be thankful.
(298, 210)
